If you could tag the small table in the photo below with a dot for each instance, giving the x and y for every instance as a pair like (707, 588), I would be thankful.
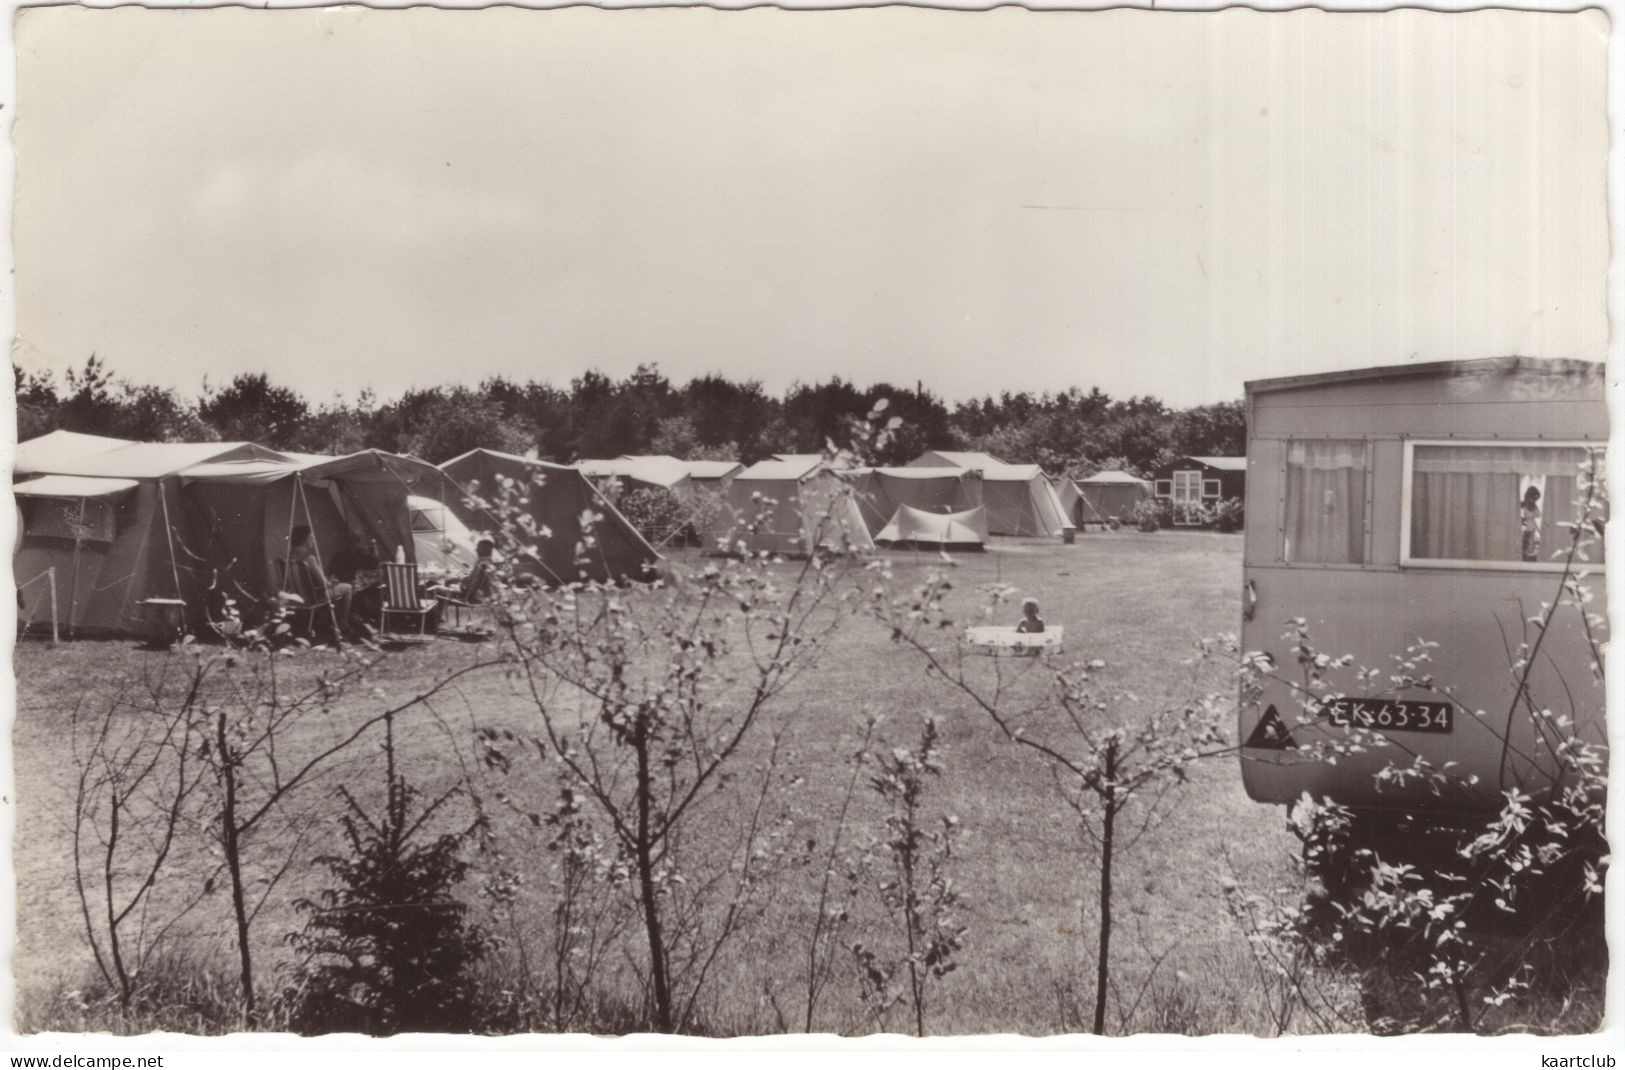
(165, 619)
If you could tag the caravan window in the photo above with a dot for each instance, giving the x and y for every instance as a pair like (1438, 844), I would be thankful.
(1325, 502)
(1511, 505)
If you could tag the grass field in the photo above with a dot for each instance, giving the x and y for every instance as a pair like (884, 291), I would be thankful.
(1136, 602)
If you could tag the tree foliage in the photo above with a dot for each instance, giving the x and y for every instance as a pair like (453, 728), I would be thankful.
(1074, 432)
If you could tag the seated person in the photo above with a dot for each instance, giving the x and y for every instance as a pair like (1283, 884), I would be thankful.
(360, 569)
(1031, 623)
(309, 581)
(477, 586)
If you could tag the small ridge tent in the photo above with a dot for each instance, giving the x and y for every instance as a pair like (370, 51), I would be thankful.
(972, 459)
(1020, 500)
(792, 508)
(1108, 495)
(715, 475)
(882, 491)
(555, 506)
(663, 473)
(909, 526)
(107, 516)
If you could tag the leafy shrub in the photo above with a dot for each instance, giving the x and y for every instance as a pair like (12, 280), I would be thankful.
(389, 949)
(660, 515)
(1153, 514)
(1229, 515)
(916, 889)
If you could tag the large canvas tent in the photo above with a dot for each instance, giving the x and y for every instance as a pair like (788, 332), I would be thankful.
(1020, 500)
(556, 506)
(792, 508)
(240, 513)
(1106, 496)
(881, 492)
(909, 526)
(102, 527)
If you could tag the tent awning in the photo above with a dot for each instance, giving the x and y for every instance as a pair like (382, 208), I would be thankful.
(72, 487)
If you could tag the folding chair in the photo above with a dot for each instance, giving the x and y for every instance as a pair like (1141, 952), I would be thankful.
(463, 609)
(302, 616)
(401, 600)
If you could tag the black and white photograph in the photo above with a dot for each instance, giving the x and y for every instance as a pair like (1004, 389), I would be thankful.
(810, 523)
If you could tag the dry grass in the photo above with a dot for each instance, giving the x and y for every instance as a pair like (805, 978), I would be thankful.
(1137, 602)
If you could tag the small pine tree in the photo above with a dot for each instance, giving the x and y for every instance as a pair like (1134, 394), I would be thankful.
(390, 949)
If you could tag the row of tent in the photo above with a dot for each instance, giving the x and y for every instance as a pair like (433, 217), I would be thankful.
(1019, 499)
(107, 524)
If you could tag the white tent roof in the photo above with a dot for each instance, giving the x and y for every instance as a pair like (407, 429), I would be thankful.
(71, 487)
(134, 460)
(916, 473)
(660, 471)
(798, 458)
(712, 469)
(799, 468)
(61, 447)
(1011, 473)
(968, 458)
(1113, 477)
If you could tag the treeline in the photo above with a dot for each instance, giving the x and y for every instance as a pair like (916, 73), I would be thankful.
(710, 417)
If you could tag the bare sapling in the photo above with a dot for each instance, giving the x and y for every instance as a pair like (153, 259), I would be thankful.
(1116, 765)
(136, 777)
(839, 885)
(914, 885)
(648, 698)
(266, 736)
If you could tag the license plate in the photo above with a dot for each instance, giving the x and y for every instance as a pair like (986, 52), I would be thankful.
(1391, 714)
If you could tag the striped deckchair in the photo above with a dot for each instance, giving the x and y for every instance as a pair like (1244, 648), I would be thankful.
(401, 600)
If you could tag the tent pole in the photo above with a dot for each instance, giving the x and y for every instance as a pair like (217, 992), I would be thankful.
(169, 538)
(316, 544)
(52, 571)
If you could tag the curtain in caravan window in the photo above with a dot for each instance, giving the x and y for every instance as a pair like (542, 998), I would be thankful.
(1325, 502)
(1468, 502)
(1563, 502)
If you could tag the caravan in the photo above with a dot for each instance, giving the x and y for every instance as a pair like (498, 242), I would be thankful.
(1388, 510)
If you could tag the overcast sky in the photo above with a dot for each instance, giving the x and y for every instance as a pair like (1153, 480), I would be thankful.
(1151, 203)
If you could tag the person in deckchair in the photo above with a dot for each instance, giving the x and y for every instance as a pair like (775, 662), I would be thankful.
(1031, 623)
(310, 581)
(475, 587)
